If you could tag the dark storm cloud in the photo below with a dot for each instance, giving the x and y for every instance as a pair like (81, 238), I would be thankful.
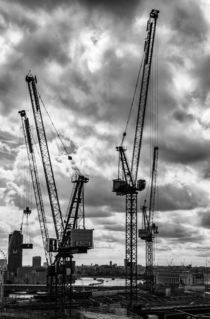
(179, 232)
(120, 8)
(104, 96)
(184, 149)
(204, 217)
(171, 197)
(11, 84)
(40, 4)
(110, 224)
(118, 228)
(99, 193)
(13, 17)
(97, 212)
(45, 47)
(189, 23)
(205, 170)
(201, 73)
(182, 116)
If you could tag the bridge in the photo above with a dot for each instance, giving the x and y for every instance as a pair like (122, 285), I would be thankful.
(29, 288)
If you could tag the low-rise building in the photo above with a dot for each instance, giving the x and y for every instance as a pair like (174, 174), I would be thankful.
(31, 275)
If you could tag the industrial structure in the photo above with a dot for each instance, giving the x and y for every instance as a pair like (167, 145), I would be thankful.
(149, 228)
(127, 183)
(71, 235)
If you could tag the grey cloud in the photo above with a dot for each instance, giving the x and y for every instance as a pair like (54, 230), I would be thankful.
(204, 218)
(179, 232)
(13, 195)
(11, 16)
(201, 72)
(121, 8)
(202, 251)
(171, 197)
(110, 238)
(205, 170)
(184, 150)
(118, 228)
(189, 23)
(39, 4)
(11, 85)
(111, 225)
(99, 193)
(182, 116)
(45, 47)
(96, 213)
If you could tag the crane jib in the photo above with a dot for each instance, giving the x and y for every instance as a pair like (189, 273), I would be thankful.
(46, 161)
(143, 93)
(36, 185)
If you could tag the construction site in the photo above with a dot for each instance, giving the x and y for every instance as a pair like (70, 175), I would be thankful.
(53, 290)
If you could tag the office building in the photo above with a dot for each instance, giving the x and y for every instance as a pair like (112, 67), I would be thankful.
(15, 252)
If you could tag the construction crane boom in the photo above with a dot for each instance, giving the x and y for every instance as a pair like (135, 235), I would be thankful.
(46, 161)
(71, 221)
(36, 184)
(147, 63)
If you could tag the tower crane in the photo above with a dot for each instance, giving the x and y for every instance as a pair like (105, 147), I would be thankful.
(127, 184)
(71, 238)
(150, 229)
(36, 184)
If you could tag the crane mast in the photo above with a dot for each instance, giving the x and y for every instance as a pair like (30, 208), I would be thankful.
(150, 229)
(75, 240)
(128, 184)
(36, 184)
(46, 161)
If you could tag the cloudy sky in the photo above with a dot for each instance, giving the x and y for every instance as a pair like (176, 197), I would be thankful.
(86, 56)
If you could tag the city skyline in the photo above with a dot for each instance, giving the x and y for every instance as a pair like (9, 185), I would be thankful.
(86, 58)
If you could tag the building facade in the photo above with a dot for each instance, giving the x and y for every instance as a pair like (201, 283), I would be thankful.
(15, 252)
(36, 261)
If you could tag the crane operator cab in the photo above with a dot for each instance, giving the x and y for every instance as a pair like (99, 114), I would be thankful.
(121, 187)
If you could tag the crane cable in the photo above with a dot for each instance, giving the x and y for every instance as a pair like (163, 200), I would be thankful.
(58, 135)
(132, 102)
(76, 169)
